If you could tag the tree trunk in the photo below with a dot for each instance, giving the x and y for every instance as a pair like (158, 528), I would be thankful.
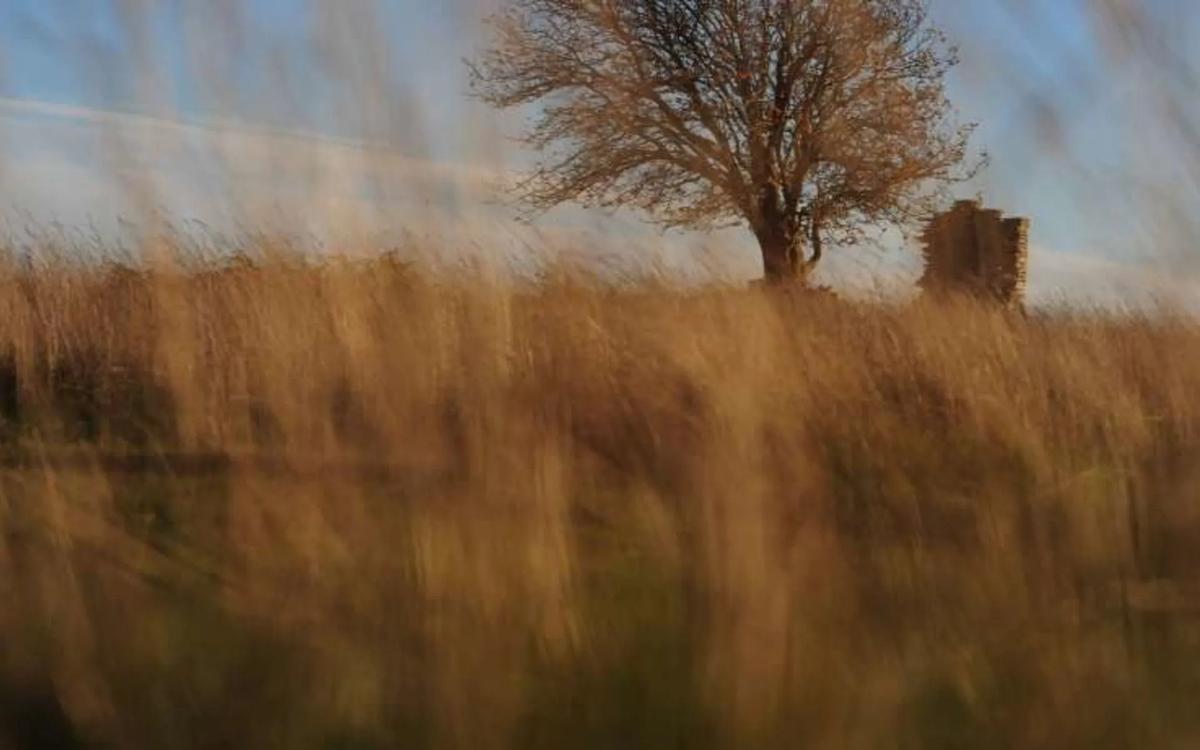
(781, 256)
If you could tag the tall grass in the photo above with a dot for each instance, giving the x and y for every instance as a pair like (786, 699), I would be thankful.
(279, 503)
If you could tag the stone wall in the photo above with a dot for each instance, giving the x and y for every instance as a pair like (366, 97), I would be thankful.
(974, 250)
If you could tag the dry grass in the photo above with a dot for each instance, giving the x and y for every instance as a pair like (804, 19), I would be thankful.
(341, 505)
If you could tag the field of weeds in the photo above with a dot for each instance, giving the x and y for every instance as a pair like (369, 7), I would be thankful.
(278, 503)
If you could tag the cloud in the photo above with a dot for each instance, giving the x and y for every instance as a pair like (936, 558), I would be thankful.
(1057, 277)
(215, 170)
(240, 138)
(71, 163)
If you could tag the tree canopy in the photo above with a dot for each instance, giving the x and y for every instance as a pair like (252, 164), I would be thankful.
(805, 120)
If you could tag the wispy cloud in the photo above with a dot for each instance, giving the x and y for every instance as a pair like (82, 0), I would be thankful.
(71, 162)
(251, 168)
(1065, 277)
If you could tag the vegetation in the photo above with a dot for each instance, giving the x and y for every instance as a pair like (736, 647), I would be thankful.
(274, 503)
(803, 120)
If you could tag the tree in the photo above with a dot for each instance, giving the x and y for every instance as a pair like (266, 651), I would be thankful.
(807, 120)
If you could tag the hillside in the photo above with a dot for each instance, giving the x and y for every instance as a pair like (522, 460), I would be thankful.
(286, 504)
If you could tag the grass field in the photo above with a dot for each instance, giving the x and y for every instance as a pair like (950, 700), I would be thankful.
(283, 504)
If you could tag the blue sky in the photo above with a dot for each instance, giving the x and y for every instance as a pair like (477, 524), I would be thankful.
(328, 109)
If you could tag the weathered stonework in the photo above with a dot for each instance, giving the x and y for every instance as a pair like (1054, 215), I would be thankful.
(974, 250)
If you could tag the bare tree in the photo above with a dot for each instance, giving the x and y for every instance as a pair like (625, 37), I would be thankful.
(807, 120)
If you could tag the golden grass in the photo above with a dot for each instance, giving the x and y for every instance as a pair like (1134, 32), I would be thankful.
(287, 504)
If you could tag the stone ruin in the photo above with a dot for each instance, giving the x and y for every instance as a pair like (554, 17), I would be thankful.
(974, 250)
